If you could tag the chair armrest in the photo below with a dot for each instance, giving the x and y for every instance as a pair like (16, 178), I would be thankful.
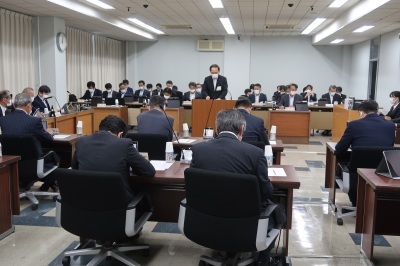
(184, 202)
(267, 213)
(135, 201)
(344, 168)
(52, 155)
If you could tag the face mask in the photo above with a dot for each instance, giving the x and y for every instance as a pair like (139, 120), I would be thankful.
(292, 93)
(332, 93)
(109, 90)
(91, 90)
(391, 100)
(256, 92)
(198, 89)
(123, 91)
(44, 96)
(308, 91)
(166, 97)
(192, 90)
(214, 76)
(141, 88)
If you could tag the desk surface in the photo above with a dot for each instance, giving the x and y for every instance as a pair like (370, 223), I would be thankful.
(378, 182)
(7, 159)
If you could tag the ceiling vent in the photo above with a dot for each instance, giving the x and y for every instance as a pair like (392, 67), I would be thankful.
(178, 27)
(210, 45)
(279, 27)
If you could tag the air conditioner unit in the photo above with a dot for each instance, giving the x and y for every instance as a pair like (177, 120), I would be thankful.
(210, 45)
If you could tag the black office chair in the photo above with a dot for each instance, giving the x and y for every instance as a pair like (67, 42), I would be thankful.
(95, 205)
(222, 211)
(361, 157)
(153, 144)
(32, 167)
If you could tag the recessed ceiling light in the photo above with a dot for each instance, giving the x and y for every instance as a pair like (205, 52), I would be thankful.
(100, 4)
(144, 25)
(227, 25)
(363, 28)
(216, 3)
(337, 41)
(338, 3)
(313, 25)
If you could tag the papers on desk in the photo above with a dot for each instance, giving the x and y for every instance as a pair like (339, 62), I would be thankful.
(185, 141)
(272, 142)
(160, 165)
(61, 136)
(276, 172)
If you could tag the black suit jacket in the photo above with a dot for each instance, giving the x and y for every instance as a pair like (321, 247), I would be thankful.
(114, 94)
(186, 96)
(285, 100)
(313, 98)
(145, 93)
(155, 122)
(227, 154)
(372, 130)
(8, 111)
(255, 130)
(336, 98)
(96, 93)
(394, 112)
(209, 90)
(102, 151)
(39, 104)
(262, 98)
(159, 93)
(119, 94)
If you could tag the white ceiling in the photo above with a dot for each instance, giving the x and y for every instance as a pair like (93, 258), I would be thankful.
(248, 17)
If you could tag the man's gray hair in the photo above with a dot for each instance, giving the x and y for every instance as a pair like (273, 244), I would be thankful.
(22, 100)
(4, 94)
(230, 120)
(27, 89)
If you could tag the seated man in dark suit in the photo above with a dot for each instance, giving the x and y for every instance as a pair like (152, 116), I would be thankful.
(122, 91)
(40, 101)
(369, 130)
(142, 91)
(175, 91)
(5, 101)
(20, 122)
(107, 151)
(255, 130)
(308, 94)
(192, 93)
(289, 100)
(91, 91)
(155, 121)
(257, 96)
(109, 92)
(394, 111)
(332, 96)
(215, 86)
(339, 92)
(158, 91)
(129, 90)
(227, 153)
(31, 93)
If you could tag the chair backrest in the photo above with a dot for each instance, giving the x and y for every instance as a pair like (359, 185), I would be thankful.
(222, 210)
(258, 144)
(367, 157)
(153, 144)
(93, 204)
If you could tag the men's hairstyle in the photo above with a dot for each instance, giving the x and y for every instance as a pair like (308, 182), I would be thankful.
(251, 87)
(169, 82)
(395, 94)
(332, 87)
(91, 84)
(199, 84)
(108, 86)
(22, 100)
(192, 84)
(4, 94)
(149, 86)
(243, 102)
(27, 89)
(247, 91)
(214, 65)
(258, 85)
(114, 124)
(168, 90)
(230, 120)
(368, 106)
(304, 89)
(159, 85)
(44, 89)
(293, 84)
(309, 86)
(141, 81)
(157, 101)
(125, 81)
(121, 84)
(339, 89)
(282, 87)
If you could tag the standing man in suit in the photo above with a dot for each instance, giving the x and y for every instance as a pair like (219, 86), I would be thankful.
(394, 99)
(154, 121)
(129, 90)
(227, 153)
(5, 101)
(113, 153)
(215, 86)
(257, 96)
(109, 92)
(192, 93)
(158, 91)
(289, 100)
(40, 102)
(331, 96)
(91, 91)
(339, 92)
(255, 130)
(369, 130)
(142, 91)
(308, 94)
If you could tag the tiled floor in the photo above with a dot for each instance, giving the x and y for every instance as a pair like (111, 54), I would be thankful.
(315, 238)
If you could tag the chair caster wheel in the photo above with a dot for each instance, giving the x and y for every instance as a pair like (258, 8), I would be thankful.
(34, 207)
(339, 221)
(146, 252)
(66, 261)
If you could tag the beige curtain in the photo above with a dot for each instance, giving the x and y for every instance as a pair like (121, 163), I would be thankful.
(79, 60)
(16, 51)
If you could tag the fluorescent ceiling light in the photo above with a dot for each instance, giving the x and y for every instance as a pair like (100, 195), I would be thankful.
(313, 25)
(338, 3)
(337, 41)
(363, 28)
(216, 3)
(100, 4)
(227, 25)
(144, 25)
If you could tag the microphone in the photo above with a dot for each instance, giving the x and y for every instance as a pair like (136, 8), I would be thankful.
(56, 101)
(229, 92)
(208, 118)
(68, 92)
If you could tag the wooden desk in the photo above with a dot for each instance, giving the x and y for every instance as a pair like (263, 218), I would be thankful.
(67, 123)
(65, 149)
(9, 193)
(133, 112)
(101, 112)
(378, 202)
(320, 118)
(176, 113)
(340, 118)
(167, 189)
(293, 127)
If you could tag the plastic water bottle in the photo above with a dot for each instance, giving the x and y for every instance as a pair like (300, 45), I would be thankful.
(79, 128)
(116, 102)
(169, 152)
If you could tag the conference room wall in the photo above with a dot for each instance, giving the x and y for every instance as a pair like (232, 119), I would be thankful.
(359, 71)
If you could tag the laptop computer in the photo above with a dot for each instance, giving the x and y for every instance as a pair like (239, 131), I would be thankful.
(301, 107)
(173, 102)
(110, 101)
(95, 100)
(389, 165)
(322, 102)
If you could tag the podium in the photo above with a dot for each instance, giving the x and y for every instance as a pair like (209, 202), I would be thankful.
(200, 111)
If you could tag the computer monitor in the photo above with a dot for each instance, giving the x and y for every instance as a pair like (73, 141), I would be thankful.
(173, 102)
(322, 102)
(95, 100)
(129, 98)
(110, 101)
(301, 107)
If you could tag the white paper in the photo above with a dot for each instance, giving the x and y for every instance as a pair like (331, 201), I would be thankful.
(272, 142)
(61, 136)
(218, 88)
(276, 172)
(186, 141)
(160, 165)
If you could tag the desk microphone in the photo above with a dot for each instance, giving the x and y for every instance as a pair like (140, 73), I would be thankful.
(177, 140)
(205, 127)
(56, 101)
(229, 92)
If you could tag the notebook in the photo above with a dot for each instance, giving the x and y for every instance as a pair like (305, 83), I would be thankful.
(389, 165)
